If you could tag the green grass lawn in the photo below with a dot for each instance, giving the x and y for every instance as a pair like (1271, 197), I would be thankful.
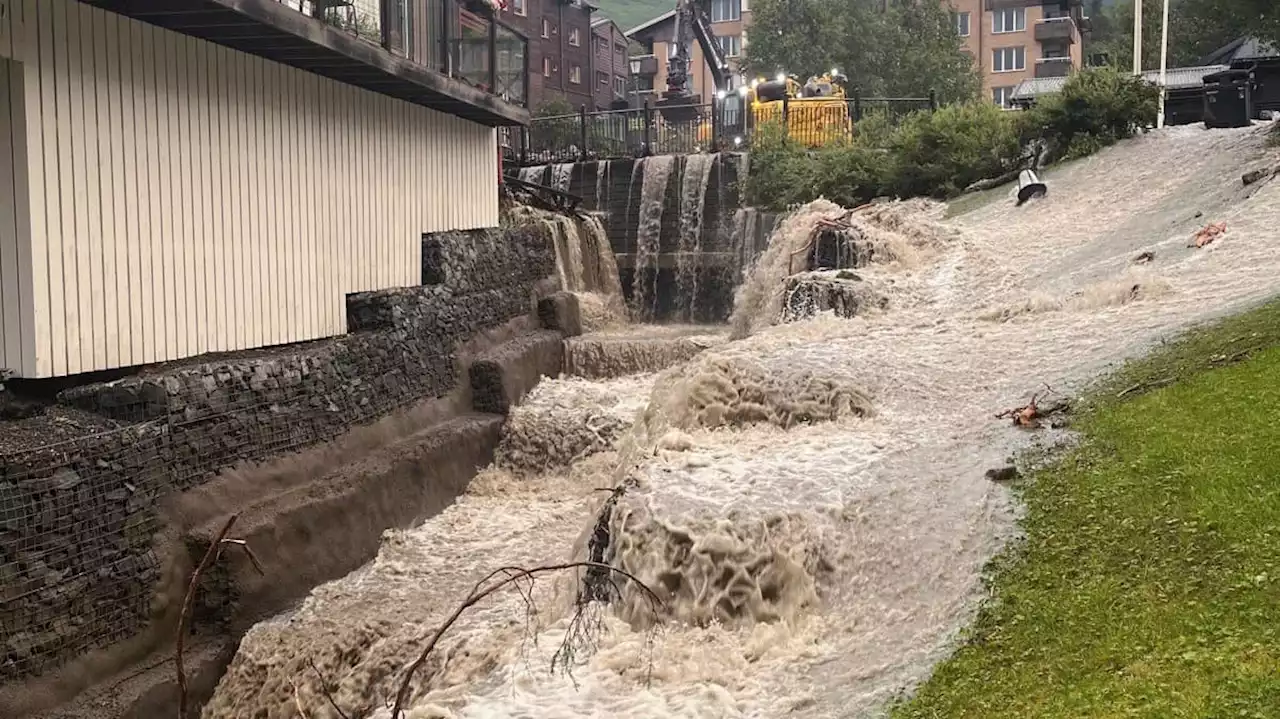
(1149, 581)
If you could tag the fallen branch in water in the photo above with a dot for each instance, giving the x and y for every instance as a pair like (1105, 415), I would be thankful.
(1030, 414)
(324, 689)
(512, 576)
(211, 555)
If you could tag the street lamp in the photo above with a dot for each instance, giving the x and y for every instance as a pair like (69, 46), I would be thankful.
(1164, 63)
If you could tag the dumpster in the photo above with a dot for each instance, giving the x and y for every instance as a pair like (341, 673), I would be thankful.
(1228, 99)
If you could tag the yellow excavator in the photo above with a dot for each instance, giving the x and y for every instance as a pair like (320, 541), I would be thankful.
(817, 112)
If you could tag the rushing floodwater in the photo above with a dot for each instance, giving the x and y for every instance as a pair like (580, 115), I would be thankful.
(815, 570)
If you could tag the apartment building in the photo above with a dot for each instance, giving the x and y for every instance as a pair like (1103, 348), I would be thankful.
(1016, 40)
(730, 20)
(611, 68)
(560, 54)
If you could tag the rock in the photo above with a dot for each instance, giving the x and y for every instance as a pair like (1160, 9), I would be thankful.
(1004, 474)
(1254, 176)
(1144, 258)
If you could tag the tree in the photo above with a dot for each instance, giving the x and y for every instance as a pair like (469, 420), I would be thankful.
(892, 48)
(1196, 28)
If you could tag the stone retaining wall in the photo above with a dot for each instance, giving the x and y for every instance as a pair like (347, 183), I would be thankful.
(77, 519)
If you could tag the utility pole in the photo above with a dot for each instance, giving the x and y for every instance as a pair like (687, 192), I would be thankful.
(1137, 37)
(1164, 63)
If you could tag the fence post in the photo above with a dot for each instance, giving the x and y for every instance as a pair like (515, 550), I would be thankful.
(582, 127)
(648, 128)
(933, 101)
(717, 112)
(857, 106)
(786, 115)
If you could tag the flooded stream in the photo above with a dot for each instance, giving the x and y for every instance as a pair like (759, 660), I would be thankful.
(808, 500)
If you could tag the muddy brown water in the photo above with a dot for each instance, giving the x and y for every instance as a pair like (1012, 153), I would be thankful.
(858, 542)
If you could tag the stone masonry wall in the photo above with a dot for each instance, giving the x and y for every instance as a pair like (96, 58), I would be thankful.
(77, 567)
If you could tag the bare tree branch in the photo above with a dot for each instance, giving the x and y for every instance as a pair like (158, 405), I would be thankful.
(486, 587)
(185, 617)
(324, 689)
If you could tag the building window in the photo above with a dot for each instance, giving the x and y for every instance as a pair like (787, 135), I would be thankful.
(1008, 59)
(1002, 96)
(726, 10)
(575, 74)
(575, 37)
(962, 23)
(602, 79)
(546, 27)
(1011, 20)
(620, 86)
(546, 67)
(730, 44)
(517, 7)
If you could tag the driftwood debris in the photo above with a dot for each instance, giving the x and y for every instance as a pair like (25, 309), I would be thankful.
(1032, 414)
(211, 555)
(1207, 234)
(512, 577)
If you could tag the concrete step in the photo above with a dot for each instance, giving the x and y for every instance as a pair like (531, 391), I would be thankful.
(322, 530)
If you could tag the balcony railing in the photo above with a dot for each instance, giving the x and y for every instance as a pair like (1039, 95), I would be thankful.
(456, 38)
(1054, 67)
(1056, 29)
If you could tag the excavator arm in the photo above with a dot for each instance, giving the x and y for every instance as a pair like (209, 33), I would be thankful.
(693, 23)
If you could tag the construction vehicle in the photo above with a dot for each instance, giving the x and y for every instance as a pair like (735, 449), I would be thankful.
(815, 114)
(692, 22)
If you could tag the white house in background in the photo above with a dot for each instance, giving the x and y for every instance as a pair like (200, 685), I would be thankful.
(180, 177)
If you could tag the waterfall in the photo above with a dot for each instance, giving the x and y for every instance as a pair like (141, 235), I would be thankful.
(693, 198)
(603, 186)
(561, 174)
(657, 172)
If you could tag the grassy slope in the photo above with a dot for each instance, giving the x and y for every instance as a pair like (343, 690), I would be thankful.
(1149, 584)
(630, 13)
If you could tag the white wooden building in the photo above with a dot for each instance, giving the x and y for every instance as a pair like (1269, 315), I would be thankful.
(164, 195)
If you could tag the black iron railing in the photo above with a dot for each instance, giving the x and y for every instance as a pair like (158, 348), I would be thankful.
(689, 129)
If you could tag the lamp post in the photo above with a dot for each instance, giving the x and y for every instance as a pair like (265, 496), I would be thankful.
(1164, 63)
(1137, 37)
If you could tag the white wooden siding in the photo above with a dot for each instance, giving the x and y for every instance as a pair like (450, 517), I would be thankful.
(172, 197)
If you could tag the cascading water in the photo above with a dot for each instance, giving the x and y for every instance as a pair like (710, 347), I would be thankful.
(561, 175)
(653, 193)
(693, 199)
(810, 500)
(604, 176)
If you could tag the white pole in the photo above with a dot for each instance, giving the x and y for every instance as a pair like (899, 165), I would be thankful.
(1164, 62)
(1137, 37)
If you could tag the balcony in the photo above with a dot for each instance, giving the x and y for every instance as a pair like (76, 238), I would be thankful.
(1047, 4)
(1056, 29)
(449, 55)
(1054, 67)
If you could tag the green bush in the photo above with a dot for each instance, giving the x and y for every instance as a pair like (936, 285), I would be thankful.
(941, 153)
(1096, 108)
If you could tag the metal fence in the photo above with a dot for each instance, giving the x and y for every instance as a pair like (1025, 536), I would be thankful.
(688, 129)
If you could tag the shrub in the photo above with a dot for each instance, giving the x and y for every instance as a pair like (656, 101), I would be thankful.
(941, 153)
(1096, 107)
